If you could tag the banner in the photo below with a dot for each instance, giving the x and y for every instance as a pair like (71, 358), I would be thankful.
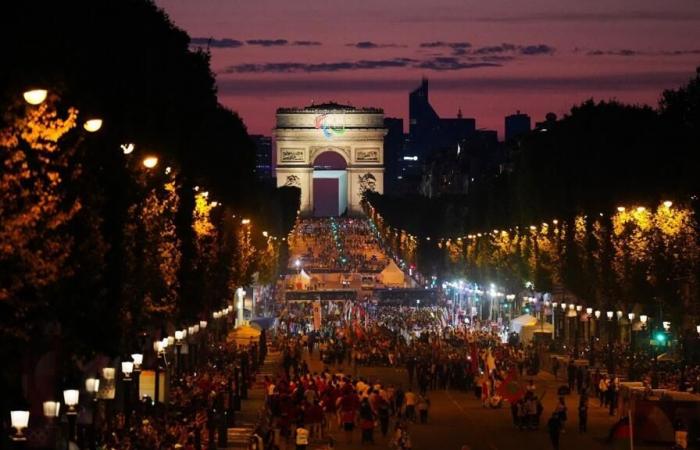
(317, 315)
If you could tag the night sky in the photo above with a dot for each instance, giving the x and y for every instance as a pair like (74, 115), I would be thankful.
(490, 58)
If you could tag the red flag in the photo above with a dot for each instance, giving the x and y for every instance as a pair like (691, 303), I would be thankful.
(511, 389)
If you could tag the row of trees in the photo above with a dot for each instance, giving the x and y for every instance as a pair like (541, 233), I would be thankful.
(601, 157)
(97, 249)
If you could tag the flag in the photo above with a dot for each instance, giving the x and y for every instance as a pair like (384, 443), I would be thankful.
(511, 389)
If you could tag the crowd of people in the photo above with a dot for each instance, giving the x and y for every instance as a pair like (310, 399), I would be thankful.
(434, 355)
(338, 244)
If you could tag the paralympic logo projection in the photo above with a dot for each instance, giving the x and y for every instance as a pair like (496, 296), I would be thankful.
(330, 125)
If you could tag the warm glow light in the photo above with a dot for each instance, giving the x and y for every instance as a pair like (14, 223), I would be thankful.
(127, 148)
(597, 314)
(643, 318)
(92, 385)
(668, 203)
(630, 316)
(245, 221)
(265, 234)
(127, 368)
(202, 324)
(563, 306)
(150, 162)
(589, 311)
(19, 420)
(667, 325)
(579, 308)
(138, 359)
(35, 96)
(178, 335)
(70, 397)
(51, 409)
(108, 373)
(620, 209)
(92, 125)
(609, 314)
(641, 209)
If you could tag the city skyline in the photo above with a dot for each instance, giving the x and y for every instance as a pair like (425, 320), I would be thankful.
(487, 59)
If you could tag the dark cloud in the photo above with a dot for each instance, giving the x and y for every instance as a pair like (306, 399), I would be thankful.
(367, 45)
(440, 63)
(306, 43)
(294, 67)
(438, 44)
(528, 50)
(443, 63)
(228, 85)
(628, 52)
(216, 43)
(267, 42)
(540, 49)
(613, 16)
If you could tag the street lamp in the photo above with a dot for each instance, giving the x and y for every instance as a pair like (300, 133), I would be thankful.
(667, 325)
(138, 360)
(127, 369)
(92, 125)
(149, 162)
(92, 386)
(51, 409)
(70, 398)
(20, 421)
(643, 318)
(609, 314)
(35, 96)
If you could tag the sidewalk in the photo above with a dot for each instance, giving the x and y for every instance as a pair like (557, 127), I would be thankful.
(249, 415)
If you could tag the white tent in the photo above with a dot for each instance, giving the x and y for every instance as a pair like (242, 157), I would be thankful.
(526, 320)
(392, 275)
(302, 280)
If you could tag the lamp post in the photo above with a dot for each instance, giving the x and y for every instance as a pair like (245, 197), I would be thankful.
(70, 398)
(92, 386)
(127, 370)
(51, 411)
(179, 335)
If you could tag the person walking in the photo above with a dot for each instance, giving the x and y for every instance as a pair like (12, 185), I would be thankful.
(423, 406)
(583, 414)
(302, 437)
(410, 399)
(554, 430)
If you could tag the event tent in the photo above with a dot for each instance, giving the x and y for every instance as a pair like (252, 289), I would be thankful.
(391, 275)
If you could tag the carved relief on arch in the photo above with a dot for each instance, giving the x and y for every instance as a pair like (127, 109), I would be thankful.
(343, 151)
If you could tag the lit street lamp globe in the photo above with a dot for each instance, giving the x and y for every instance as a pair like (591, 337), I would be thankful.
(35, 96)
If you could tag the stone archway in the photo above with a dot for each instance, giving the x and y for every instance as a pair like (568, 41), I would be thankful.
(355, 135)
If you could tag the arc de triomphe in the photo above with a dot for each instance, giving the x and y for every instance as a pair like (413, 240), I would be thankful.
(356, 134)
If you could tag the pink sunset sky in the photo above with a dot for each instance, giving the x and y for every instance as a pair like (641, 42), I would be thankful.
(489, 58)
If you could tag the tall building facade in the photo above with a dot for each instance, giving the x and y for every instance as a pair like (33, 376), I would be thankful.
(263, 157)
(516, 124)
(427, 131)
(393, 153)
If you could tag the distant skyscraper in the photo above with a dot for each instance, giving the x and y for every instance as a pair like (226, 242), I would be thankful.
(517, 124)
(393, 152)
(427, 131)
(263, 157)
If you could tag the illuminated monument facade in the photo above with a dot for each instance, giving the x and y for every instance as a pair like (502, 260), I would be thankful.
(304, 137)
